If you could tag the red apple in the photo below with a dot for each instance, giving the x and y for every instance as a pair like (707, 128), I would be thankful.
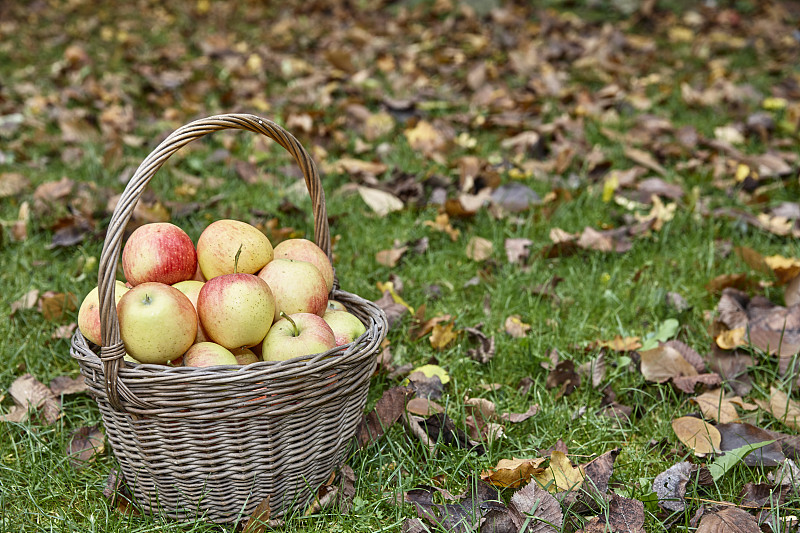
(160, 252)
(191, 288)
(298, 287)
(305, 250)
(297, 334)
(208, 354)
(236, 309)
(157, 322)
(89, 312)
(245, 356)
(222, 240)
(346, 326)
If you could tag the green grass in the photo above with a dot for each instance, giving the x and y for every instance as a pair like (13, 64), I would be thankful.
(601, 295)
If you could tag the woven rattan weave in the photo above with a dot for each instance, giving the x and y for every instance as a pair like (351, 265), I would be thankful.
(215, 442)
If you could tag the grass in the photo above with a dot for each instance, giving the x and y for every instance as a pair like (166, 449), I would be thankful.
(601, 295)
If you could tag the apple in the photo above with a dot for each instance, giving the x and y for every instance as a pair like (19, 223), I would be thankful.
(160, 252)
(245, 356)
(191, 288)
(296, 335)
(89, 312)
(298, 287)
(336, 305)
(157, 322)
(236, 309)
(346, 326)
(208, 354)
(305, 250)
(221, 242)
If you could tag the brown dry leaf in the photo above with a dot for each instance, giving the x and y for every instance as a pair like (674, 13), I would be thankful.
(390, 258)
(641, 157)
(442, 335)
(784, 408)
(28, 301)
(85, 444)
(535, 507)
(732, 338)
(515, 327)
(63, 385)
(381, 202)
(12, 184)
(479, 249)
(54, 305)
(442, 223)
(737, 281)
(715, 406)
(424, 407)
(259, 520)
(791, 293)
(28, 391)
(517, 250)
(728, 520)
(420, 328)
(516, 418)
(388, 410)
(697, 435)
(624, 515)
(618, 344)
(358, 167)
(560, 474)
(378, 124)
(512, 472)
(664, 363)
(65, 331)
(594, 368)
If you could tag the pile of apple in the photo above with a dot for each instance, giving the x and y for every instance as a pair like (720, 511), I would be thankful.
(231, 300)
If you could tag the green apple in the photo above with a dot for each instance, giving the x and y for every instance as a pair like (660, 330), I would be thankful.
(336, 305)
(296, 335)
(298, 287)
(245, 356)
(236, 309)
(157, 322)
(346, 326)
(208, 354)
(89, 312)
(191, 288)
(221, 242)
(305, 250)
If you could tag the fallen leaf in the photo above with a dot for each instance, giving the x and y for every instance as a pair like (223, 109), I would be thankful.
(28, 301)
(424, 137)
(641, 157)
(442, 335)
(512, 472)
(442, 223)
(697, 435)
(534, 510)
(664, 363)
(618, 344)
(381, 202)
(623, 515)
(517, 250)
(515, 327)
(735, 435)
(715, 406)
(388, 410)
(390, 258)
(516, 418)
(485, 350)
(728, 520)
(560, 474)
(29, 393)
(63, 385)
(423, 407)
(260, 521)
(432, 371)
(784, 408)
(670, 485)
(85, 444)
(389, 287)
(479, 249)
(12, 184)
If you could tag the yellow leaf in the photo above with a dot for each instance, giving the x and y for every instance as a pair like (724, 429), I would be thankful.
(619, 344)
(774, 103)
(560, 475)
(512, 472)
(742, 171)
(433, 370)
(697, 435)
(610, 187)
(732, 338)
(389, 286)
(424, 137)
(442, 223)
(443, 335)
(785, 268)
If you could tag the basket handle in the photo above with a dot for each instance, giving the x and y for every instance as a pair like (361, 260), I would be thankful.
(112, 350)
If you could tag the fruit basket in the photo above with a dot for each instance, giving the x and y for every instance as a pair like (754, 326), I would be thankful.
(214, 442)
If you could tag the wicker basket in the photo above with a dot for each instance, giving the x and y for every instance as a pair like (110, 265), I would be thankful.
(215, 442)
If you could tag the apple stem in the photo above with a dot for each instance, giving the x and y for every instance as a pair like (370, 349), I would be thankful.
(282, 314)
(236, 259)
(146, 300)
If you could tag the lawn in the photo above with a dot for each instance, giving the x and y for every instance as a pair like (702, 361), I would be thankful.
(586, 211)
